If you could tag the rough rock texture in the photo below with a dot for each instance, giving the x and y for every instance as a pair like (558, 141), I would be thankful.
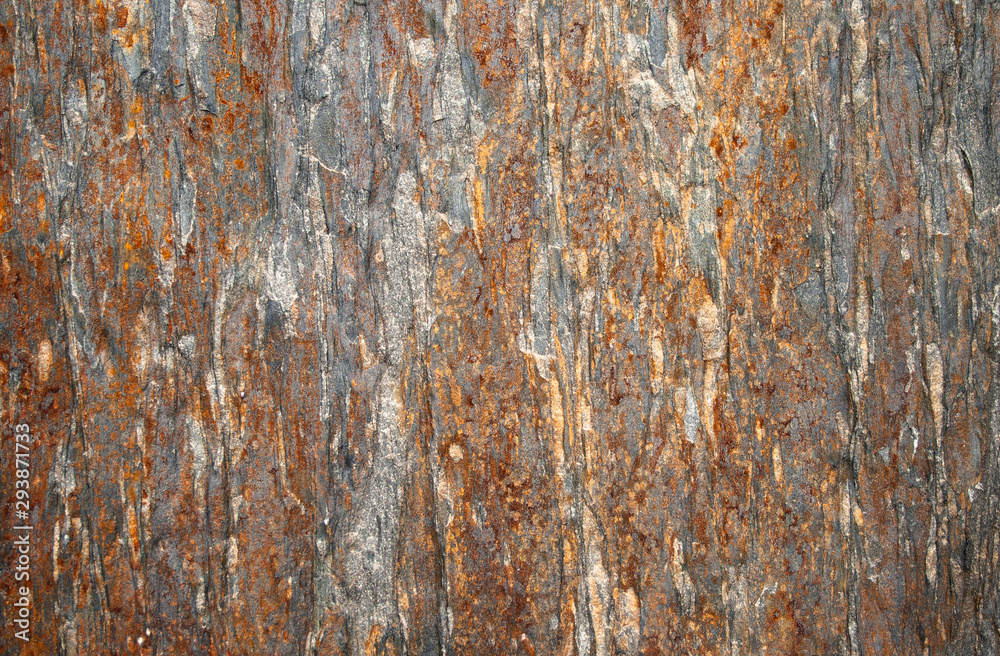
(498, 327)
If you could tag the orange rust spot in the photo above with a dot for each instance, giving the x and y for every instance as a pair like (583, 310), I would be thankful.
(791, 143)
(121, 17)
(240, 163)
(101, 18)
(716, 145)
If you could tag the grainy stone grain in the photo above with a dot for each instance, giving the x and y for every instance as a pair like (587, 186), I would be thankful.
(592, 327)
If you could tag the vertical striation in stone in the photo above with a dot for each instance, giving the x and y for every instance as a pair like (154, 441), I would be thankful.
(515, 327)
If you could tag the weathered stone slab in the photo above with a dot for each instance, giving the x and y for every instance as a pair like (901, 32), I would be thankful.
(518, 327)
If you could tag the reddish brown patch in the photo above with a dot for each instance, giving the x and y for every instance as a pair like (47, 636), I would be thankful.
(101, 18)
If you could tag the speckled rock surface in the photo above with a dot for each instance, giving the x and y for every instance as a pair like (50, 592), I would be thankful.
(495, 327)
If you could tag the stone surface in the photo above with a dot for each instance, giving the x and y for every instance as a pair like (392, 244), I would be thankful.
(503, 327)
